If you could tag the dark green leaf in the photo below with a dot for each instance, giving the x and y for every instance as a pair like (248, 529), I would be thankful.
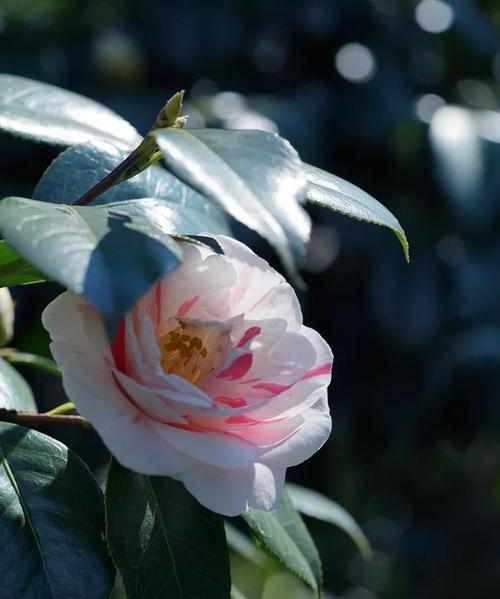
(341, 196)
(45, 113)
(27, 359)
(256, 176)
(15, 393)
(285, 535)
(164, 543)
(51, 521)
(318, 506)
(14, 270)
(108, 257)
(79, 168)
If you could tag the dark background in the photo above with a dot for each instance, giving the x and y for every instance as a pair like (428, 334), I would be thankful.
(411, 116)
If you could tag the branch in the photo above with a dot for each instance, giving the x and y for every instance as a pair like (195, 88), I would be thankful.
(34, 419)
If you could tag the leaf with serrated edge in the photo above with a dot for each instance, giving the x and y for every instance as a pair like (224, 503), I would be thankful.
(51, 521)
(255, 176)
(284, 534)
(44, 113)
(318, 506)
(341, 196)
(15, 393)
(111, 259)
(163, 542)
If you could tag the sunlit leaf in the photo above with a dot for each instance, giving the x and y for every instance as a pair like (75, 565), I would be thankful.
(318, 506)
(179, 208)
(256, 176)
(285, 535)
(341, 196)
(164, 543)
(51, 521)
(109, 257)
(15, 393)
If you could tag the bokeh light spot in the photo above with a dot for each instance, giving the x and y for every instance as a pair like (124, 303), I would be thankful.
(355, 62)
(434, 16)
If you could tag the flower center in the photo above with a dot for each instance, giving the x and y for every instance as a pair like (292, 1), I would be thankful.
(192, 348)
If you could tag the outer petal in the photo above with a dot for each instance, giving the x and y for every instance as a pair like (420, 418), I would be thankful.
(232, 492)
(124, 430)
(71, 319)
(305, 441)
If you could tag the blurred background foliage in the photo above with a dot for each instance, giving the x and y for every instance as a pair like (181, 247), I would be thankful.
(402, 98)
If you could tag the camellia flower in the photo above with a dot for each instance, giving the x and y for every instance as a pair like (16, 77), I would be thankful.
(212, 378)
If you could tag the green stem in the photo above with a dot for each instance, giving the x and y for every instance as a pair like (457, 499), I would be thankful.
(15, 357)
(64, 408)
(130, 167)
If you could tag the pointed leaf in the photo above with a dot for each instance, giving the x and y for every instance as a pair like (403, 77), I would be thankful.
(318, 506)
(14, 270)
(78, 169)
(108, 257)
(284, 533)
(256, 176)
(164, 543)
(51, 521)
(341, 196)
(15, 393)
(44, 113)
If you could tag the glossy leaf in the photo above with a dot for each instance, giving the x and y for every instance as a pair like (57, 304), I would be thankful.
(44, 113)
(14, 270)
(341, 196)
(51, 521)
(15, 393)
(285, 535)
(109, 257)
(256, 176)
(164, 543)
(179, 208)
(318, 506)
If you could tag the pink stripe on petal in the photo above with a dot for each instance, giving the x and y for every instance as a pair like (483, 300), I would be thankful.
(118, 347)
(242, 419)
(272, 388)
(158, 304)
(233, 402)
(320, 370)
(248, 335)
(187, 305)
(263, 298)
(238, 368)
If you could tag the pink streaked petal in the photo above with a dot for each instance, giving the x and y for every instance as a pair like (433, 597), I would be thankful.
(238, 368)
(242, 419)
(118, 347)
(187, 305)
(249, 335)
(272, 388)
(233, 402)
(318, 371)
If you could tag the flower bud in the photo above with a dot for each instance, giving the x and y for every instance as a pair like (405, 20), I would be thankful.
(6, 316)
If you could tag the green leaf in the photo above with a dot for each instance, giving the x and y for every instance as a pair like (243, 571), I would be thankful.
(341, 196)
(256, 176)
(164, 543)
(285, 535)
(51, 521)
(180, 209)
(15, 393)
(33, 360)
(45, 113)
(14, 270)
(318, 506)
(110, 258)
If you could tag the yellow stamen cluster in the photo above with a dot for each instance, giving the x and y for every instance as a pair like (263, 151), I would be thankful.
(192, 350)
